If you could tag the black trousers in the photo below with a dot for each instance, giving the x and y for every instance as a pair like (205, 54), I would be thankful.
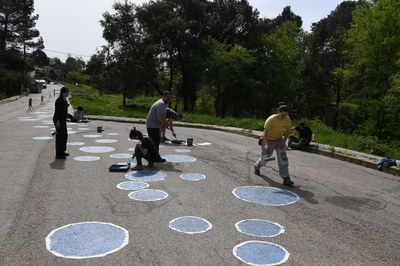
(155, 135)
(61, 138)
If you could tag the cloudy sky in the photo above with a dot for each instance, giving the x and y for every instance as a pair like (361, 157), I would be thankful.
(72, 27)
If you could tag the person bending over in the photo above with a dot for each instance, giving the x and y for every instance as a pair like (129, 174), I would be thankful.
(171, 116)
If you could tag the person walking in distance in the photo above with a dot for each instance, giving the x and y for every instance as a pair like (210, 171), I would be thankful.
(276, 131)
(60, 123)
(156, 120)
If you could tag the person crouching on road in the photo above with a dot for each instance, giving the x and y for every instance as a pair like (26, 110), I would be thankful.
(144, 149)
(60, 123)
(276, 131)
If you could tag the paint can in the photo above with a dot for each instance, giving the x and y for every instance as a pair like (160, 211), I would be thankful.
(189, 141)
(99, 129)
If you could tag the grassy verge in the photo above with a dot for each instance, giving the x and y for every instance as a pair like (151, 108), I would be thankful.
(96, 103)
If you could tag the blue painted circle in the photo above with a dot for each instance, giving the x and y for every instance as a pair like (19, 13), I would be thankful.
(42, 138)
(260, 253)
(132, 185)
(92, 136)
(146, 176)
(190, 225)
(86, 158)
(148, 195)
(76, 143)
(121, 155)
(182, 150)
(86, 240)
(259, 228)
(179, 158)
(265, 195)
(97, 149)
(193, 177)
(106, 140)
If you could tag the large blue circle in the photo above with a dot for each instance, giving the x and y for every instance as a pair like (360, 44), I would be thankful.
(260, 253)
(97, 149)
(265, 195)
(259, 228)
(148, 195)
(146, 176)
(193, 176)
(86, 240)
(132, 185)
(190, 225)
(179, 158)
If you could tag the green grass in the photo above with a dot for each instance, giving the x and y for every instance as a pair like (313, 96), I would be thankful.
(96, 103)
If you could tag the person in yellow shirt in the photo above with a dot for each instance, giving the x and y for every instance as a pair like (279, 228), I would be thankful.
(276, 131)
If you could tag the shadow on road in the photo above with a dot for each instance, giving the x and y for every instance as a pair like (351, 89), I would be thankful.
(57, 164)
(304, 194)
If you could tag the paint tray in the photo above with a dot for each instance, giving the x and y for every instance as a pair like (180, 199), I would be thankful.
(177, 141)
(120, 167)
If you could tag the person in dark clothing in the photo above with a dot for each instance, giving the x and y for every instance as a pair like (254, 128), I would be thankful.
(60, 123)
(305, 137)
(145, 149)
(156, 120)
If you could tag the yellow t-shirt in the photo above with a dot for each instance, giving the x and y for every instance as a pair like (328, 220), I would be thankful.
(277, 128)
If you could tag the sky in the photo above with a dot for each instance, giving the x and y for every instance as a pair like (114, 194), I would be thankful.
(72, 28)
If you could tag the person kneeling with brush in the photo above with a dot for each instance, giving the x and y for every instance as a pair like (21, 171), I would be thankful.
(144, 149)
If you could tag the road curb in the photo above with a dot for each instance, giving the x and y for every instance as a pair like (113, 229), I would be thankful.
(367, 160)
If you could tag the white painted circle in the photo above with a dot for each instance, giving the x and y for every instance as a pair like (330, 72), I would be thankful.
(113, 134)
(146, 176)
(97, 149)
(182, 150)
(190, 225)
(179, 158)
(86, 240)
(92, 136)
(259, 253)
(270, 196)
(259, 228)
(42, 138)
(121, 155)
(132, 185)
(41, 126)
(106, 140)
(148, 195)
(87, 158)
(76, 143)
(193, 177)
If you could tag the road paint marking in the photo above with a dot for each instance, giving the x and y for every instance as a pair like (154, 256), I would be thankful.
(190, 225)
(42, 138)
(179, 158)
(121, 155)
(193, 177)
(148, 195)
(146, 176)
(132, 185)
(76, 143)
(265, 195)
(86, 240)
(87, 158)
(97, 149)
(260, 253)
(259, 228)
(106, 140)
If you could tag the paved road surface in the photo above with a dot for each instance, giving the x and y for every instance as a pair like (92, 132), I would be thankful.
(347, 214)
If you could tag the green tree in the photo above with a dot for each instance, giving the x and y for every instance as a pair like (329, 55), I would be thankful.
(374, 51)
(279, 68)
(229, 74)
(324, 54)
(131, 57)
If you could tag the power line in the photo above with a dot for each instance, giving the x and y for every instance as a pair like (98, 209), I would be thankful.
(48, 50)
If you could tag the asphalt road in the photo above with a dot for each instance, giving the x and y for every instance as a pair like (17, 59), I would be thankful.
(347, 214)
